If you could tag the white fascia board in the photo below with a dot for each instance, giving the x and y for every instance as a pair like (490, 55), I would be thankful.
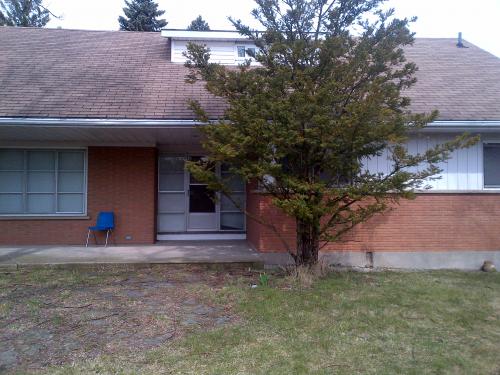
(204, 35)
(142, 123)
(97, 123)
(460, 126)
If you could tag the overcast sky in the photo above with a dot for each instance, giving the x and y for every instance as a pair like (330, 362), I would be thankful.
(479, 20)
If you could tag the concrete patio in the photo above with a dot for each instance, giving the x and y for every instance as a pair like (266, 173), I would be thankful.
(168, 252)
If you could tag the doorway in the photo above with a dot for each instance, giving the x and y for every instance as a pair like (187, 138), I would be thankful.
(187, 206)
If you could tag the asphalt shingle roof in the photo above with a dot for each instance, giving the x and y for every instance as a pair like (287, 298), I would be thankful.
(110, 74)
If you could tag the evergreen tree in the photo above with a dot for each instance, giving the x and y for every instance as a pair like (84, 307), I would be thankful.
(27, 13)
(141, 15)
(198, 24)
(328, 96)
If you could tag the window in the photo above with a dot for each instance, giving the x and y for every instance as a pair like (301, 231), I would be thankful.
(241, 51)
(491, 159)
(231, 217)
(42, 182)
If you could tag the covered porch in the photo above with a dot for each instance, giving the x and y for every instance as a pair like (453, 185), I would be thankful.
(134, 168)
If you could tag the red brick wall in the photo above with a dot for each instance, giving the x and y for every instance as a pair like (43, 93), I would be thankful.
(431, 222)
(120, 180)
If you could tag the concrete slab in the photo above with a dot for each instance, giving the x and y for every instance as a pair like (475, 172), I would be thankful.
(211, 252)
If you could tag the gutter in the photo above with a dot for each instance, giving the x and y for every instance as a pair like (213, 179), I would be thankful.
(463, 125)
(97, 123)
(157, 124)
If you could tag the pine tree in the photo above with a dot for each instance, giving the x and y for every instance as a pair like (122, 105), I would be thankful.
(26, 13)
(141, 15)
(328, 96)
(198, 24)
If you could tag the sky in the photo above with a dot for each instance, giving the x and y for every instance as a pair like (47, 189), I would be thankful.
(478, 20)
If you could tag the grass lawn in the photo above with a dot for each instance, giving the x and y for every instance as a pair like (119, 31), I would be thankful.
(347, 323)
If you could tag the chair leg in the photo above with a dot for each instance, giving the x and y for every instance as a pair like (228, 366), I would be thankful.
(95, 238)
(88, 236)
(107, 236)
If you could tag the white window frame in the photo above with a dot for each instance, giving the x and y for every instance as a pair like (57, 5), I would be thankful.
(488, 188)
(247, 56)
(56, 171)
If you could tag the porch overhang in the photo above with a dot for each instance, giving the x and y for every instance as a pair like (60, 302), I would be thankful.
(15, 131)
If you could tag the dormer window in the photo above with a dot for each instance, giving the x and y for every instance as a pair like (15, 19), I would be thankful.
(226, 47)
(243, 52)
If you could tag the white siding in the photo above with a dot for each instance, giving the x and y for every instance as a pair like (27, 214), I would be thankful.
(222, 52)
(462, 172)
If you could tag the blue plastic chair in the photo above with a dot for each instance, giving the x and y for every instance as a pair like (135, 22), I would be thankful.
(105, 222)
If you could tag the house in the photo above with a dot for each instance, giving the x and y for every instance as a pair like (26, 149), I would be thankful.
(98, 121)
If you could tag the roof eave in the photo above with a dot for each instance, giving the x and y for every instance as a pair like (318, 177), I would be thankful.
(97, 123)
(439, 125)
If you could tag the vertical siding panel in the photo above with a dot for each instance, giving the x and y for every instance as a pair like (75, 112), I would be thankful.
(474, 173)
(463, 169)
(453, 171)
(370, 165)
(442, 183)
(412, 148)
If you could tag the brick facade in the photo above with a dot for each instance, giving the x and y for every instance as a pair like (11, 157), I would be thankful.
(431, 222)
(120, 179)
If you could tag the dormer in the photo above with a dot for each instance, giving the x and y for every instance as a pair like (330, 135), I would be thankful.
(226, 47)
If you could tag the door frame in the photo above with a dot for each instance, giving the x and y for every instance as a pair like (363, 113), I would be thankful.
(198, 233)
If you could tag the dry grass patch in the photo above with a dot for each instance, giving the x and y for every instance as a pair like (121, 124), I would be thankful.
(342, 323)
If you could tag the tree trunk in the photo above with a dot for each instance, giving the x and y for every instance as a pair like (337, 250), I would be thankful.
(307, 243)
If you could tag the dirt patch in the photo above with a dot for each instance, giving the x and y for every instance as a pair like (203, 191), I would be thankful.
(55, 317)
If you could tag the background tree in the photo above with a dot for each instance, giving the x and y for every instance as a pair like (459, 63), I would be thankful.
(327, 97)
(27, 13)
(198, 24)
(141, 15)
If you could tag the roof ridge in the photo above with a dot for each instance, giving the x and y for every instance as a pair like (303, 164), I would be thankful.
(84, 30)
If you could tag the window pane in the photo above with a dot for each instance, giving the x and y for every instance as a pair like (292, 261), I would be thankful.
(171, 164)
(201, 199)
(232, 221)
(241, 51)
(235, 183)
(11, 182)
(41, 182)
(171, 223)
(492, 165)
(71, 160)
(70, 203)
(41, 160)
(203, 159)
(70, 182)
(11, 203)
(227, 205)
(11, 160)
(172, 182)
(172, 202)
(40, 203)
